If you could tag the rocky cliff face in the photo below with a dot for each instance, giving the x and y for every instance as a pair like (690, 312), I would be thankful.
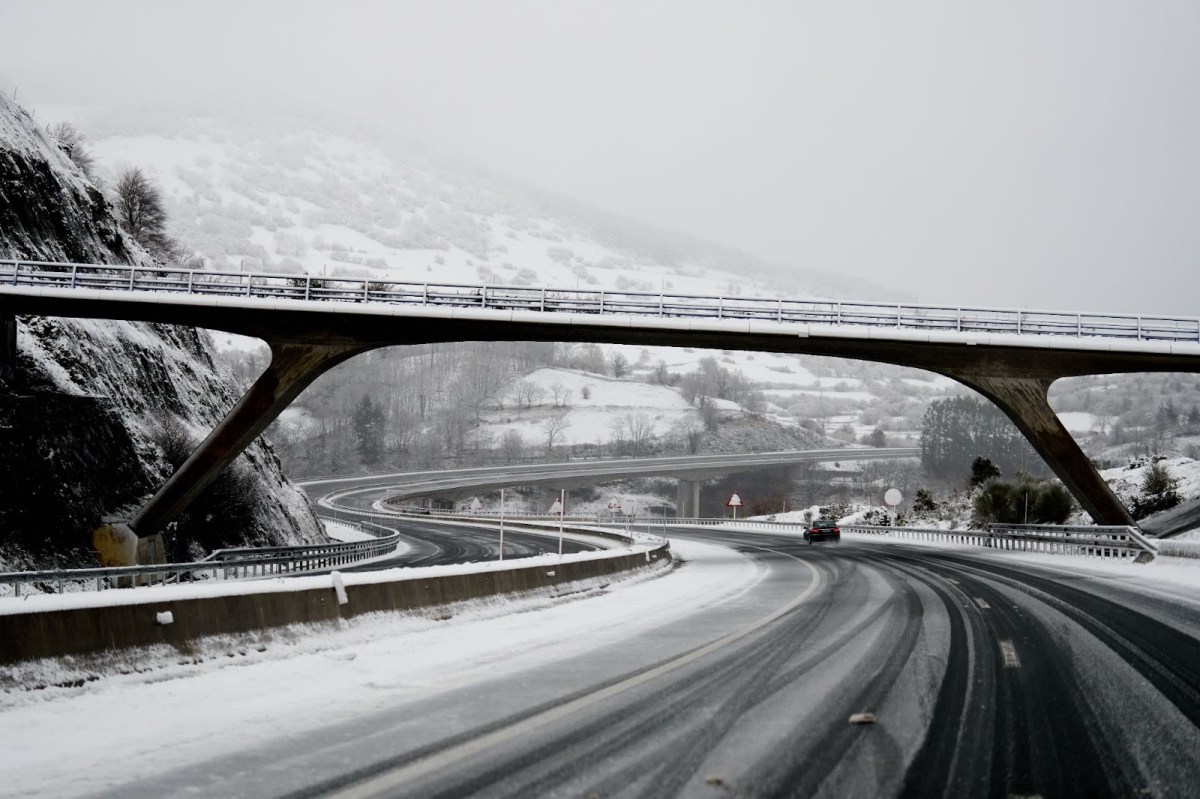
(99, 413)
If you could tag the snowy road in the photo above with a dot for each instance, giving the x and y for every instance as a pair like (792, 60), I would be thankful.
(432, 544)
(734, 675)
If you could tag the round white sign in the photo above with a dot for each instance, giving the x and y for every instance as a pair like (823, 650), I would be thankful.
(893, 497)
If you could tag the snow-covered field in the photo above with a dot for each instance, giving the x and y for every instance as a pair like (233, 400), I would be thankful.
(75, 726)
(587, 406)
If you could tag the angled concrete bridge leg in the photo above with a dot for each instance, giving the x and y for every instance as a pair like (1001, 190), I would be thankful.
(293, 367)
(8, 347)
(1025, 401)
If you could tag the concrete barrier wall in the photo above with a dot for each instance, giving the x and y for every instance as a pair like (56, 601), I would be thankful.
(24, 636)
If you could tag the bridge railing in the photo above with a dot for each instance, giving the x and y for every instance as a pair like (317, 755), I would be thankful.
(223, 564)
(960, 319)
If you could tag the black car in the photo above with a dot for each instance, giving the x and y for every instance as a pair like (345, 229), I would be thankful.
(823, 530)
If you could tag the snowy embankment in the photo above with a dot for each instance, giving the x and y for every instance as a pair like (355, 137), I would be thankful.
(345, 532)
(373, 661)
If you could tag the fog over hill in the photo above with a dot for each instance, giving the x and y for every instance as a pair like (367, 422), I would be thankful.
(300, 195)
(294, 195)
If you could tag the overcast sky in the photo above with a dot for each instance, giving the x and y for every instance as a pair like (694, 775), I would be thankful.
(1034, 154)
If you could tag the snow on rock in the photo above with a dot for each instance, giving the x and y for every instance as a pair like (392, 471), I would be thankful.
(81, 427)
(1127, 480)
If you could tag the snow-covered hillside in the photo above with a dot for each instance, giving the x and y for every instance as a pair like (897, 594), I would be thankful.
(282, 195)
(586, 408)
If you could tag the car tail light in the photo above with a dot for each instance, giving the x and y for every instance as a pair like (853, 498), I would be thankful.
(836, 530)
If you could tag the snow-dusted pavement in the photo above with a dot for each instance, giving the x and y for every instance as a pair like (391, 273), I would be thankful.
(734, 674)
(145, 717)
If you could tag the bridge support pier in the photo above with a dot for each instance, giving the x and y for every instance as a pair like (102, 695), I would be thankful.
(1025, 400)
(293, 367)
(687, 502)
(8, 347)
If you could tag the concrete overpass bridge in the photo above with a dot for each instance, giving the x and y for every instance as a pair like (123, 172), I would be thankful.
(312, 324)
(689, 470)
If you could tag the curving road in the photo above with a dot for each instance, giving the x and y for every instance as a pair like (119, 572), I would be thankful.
(986, 678)
(432, 544)
(455, 482)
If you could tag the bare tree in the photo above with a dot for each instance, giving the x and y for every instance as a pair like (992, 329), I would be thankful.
(527, 394)
(554, 426)
(72, 142)
(661, 374)
(632, 433)
(619, 365)
(140, 210)
(689, 433)
(512, 446)
(560, 393)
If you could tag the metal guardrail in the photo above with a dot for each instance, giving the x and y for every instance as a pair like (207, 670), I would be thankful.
(223, 564)
(495, 515)
(625, 303)
(547, 523)
(1096, 541)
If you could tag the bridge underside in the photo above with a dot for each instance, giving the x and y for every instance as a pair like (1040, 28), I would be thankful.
(304, 344)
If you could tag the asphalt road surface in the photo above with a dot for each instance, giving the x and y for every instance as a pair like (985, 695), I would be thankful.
(985, 678)
(432, 544)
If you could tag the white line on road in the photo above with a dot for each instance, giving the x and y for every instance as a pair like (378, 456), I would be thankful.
(390, 781)
(1009, 653)
(981, 602)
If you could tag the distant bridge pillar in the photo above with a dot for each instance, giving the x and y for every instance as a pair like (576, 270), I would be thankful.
(8, 347)
(1025, 400)
(293, 367)
(687, 503)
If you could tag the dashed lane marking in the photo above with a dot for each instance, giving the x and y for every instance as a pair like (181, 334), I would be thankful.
(981, 602)
(1009, 653)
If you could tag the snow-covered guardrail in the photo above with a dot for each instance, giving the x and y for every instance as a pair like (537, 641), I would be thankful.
(494, 515)
(1096, 542)
(624, 303)
(1090, 541)
(223, 564)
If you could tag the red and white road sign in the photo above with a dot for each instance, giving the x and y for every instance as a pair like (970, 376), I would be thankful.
(614, 505)
(556, 507)
(734, 501)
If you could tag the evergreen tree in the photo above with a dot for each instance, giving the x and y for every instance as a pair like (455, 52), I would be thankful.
(956, 430)
(1159, 492)
(369, 418)
(982, 470)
